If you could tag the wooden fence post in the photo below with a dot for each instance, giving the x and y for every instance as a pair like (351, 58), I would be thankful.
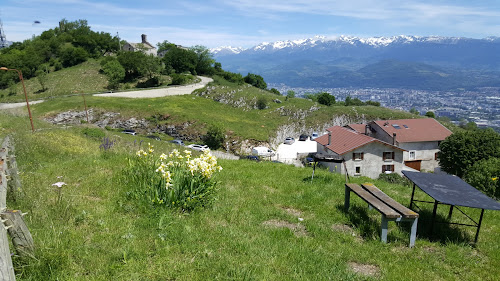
(19, 232)
(14, 184)
(6, 267)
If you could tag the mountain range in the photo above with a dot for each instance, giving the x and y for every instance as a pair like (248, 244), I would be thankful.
(434, 63)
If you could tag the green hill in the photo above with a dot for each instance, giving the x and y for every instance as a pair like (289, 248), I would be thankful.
(82, 78)
(92, 229)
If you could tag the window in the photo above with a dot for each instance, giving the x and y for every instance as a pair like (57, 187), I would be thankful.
(387, 169)
(413, 155)
(358, 170)
(388, 156)
(406, 126)
(396, 126)
(357, 156)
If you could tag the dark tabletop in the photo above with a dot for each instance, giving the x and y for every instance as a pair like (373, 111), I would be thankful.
(451, 190)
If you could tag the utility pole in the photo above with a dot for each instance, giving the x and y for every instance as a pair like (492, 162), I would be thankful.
(119, 43)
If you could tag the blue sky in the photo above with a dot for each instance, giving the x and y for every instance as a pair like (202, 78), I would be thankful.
(245, 23)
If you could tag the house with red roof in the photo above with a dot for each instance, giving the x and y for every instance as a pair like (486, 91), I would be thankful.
(363, 155)
(419, 138)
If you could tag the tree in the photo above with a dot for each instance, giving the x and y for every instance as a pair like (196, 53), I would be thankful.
(115, 73)
(215, 136)
(181, 60)
(274, 91)
(430, 114)
(414, 111)
(326, 99)
(41, 76)
(72, 56)
(290, 94)
(151, 65)
(132, 62)
(463, 149)
(204, 60)
(165, 46)
(255, 80)
(485, 176)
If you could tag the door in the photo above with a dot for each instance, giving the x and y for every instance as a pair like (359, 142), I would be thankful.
(414, 164)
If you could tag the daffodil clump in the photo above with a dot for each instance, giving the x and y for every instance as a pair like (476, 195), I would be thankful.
(176, 179)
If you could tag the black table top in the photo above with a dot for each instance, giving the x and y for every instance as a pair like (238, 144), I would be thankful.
(451, 190)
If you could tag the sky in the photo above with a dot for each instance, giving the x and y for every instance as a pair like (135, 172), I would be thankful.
(246, 23)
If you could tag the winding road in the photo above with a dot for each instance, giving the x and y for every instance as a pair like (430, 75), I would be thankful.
(152, 93)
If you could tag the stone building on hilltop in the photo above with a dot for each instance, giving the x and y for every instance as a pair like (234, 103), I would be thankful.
(144, 46)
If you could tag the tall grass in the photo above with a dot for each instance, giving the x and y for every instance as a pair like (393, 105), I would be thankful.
(251, 231)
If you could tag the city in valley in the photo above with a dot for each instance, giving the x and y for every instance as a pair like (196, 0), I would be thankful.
(481, 105)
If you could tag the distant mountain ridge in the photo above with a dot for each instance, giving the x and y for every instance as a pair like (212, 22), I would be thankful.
(456, 62)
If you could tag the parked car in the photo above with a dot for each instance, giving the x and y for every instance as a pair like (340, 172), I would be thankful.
(303, 137)
(262, 151)
(153, 137)
(289, 140)
(178, 142)
(252, 158)
(130, 132)
(308, 161)
(198, 147)
(314, 135)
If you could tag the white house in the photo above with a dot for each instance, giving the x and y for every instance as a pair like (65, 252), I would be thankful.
(419, 138)
(363, 155)
(144, 46)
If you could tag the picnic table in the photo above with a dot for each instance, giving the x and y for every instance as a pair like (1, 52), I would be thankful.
(390, 209)
(450, 190)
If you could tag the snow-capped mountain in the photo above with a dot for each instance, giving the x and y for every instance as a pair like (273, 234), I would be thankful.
(227, 50)
(376, 42)
(315, 60)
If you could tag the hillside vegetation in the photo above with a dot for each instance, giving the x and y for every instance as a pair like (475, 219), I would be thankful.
(91, 229)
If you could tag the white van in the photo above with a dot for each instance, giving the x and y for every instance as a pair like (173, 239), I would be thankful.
(262, 151)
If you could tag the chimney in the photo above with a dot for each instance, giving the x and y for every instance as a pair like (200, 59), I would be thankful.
(367, 129)
(329, 138)
(394, 139)
(144, 38)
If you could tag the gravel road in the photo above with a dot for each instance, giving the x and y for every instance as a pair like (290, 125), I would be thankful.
(161, 92)
(154, 93)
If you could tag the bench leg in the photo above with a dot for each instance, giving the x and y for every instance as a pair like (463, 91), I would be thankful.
(413, 233)
(347, 198)
(383, 235)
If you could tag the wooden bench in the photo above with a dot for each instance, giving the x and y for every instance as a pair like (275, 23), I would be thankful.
(388, 207)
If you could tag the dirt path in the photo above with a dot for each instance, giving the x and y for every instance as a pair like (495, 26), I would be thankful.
(17, 104)
(162, 92)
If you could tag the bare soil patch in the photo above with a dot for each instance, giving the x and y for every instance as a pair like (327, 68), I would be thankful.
(364, 269)
(298, 229)
(292, 211)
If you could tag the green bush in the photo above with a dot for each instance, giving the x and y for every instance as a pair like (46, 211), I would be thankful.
(215, 136)
(176, 181)
(179, 79)
(261, 103)
(394, 178)
(484, 175)
(326, 99)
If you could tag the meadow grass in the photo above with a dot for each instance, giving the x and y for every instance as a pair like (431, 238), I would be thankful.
(97, 232)
(78, 79)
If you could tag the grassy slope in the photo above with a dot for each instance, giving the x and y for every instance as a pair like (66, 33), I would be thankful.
(82, 78)
(96, 233)
(245, 121)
